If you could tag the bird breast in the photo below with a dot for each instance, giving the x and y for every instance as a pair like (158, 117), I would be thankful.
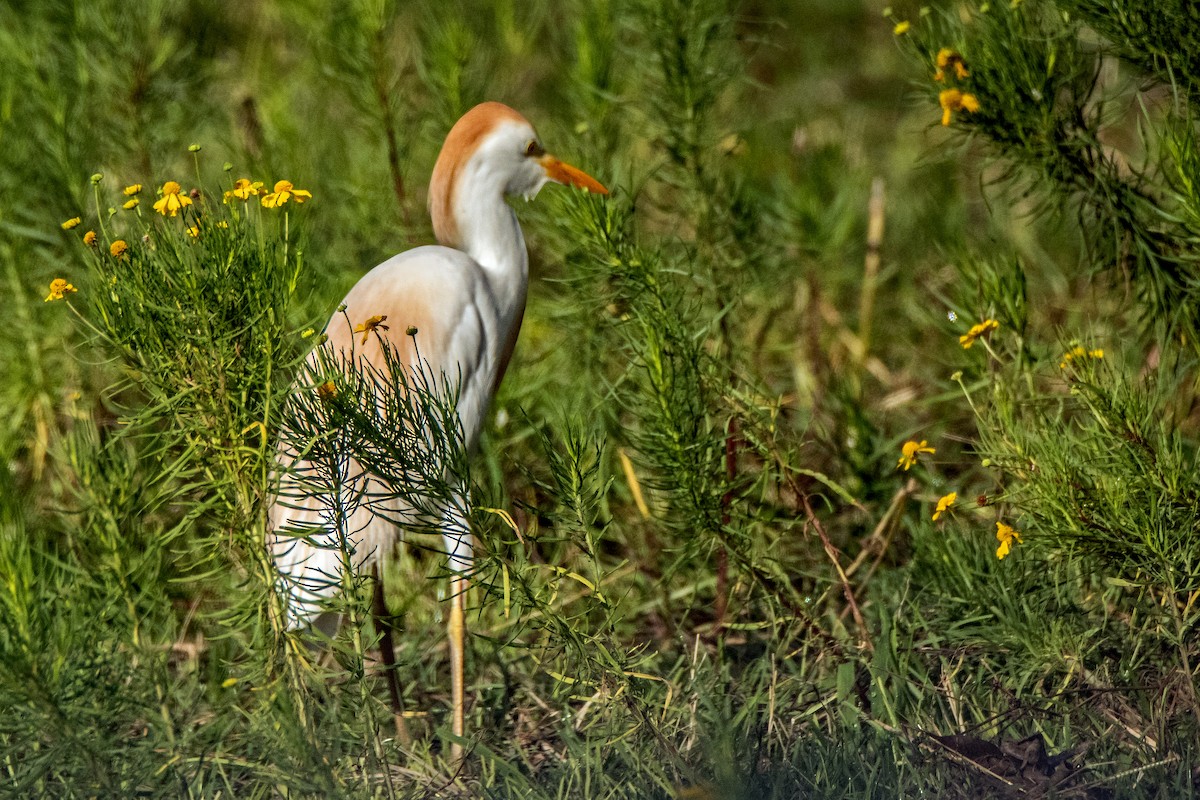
(463, 327)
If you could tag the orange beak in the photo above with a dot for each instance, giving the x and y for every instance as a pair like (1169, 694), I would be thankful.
(562, 172)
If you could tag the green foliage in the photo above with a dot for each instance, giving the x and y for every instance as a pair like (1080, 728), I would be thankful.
(700, 572)
(1046, 105)
(1085, 426)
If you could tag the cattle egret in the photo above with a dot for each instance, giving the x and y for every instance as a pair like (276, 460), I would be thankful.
(465, 297)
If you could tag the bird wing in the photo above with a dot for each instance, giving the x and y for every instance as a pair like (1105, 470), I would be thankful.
(445, 296)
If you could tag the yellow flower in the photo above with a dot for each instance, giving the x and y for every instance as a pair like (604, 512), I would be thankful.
(59, 287)
(71, 223)
(130, 203)
(194, 231)
(229, 683)
(910, 452)
(118, 248)
(89, 238)
(172, 201)
(243, 189)
(944, 504)
(370, 326)
(947, 58)
(1078, 352)
(132, 189)
(284, 192)
(327, 390)
(982, 329)
(1006, 535)
(953, 100)
(901, 28)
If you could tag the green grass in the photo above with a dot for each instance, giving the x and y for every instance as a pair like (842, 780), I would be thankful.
(709, 373)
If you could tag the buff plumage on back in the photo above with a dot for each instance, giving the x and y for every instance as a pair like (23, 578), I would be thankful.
(460, 145)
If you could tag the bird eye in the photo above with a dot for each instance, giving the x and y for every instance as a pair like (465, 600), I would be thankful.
(532, 148)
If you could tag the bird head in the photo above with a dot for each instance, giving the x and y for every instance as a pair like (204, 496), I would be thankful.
(490, 152)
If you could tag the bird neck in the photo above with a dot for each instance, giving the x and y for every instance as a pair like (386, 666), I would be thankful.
(469, 213)
(476, 219)
(491, 234)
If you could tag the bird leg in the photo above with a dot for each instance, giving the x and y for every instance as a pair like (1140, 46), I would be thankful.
(456, 629)
(456, 533)
(387, 652)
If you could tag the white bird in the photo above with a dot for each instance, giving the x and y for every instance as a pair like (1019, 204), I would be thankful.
(466, 298)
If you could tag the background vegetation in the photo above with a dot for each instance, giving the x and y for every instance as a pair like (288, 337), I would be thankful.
(703, 572)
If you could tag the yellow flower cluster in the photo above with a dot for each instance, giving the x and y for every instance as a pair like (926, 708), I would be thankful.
(953, 99)
(1077, 353)
(912, 449)
(910, 453)
(283, 192)
(131, 191)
